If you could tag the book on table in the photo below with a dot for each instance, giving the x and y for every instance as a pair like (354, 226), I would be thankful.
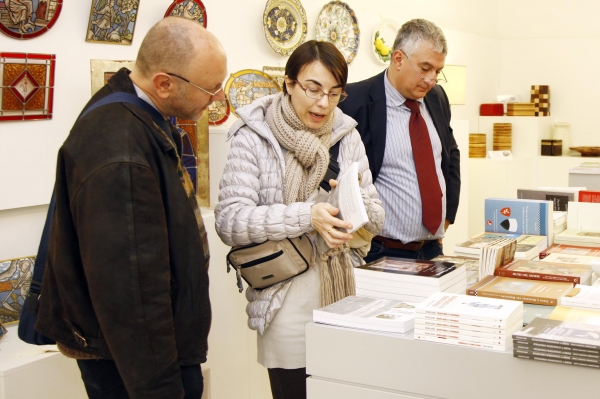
(578, 237)
(528, 245)
(531, 311)
(495, 254)
(521, 216)
(589, 196)
(407, 295)
(560, 199)
(576, 314)
(560, 334)
(546, 271)
(582, 296)
(410, 270)
(567, 253)
(584, 216)
(368, 313)
(470, 264)
(527, 291)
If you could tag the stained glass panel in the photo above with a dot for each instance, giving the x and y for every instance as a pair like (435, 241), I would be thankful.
(27, 86)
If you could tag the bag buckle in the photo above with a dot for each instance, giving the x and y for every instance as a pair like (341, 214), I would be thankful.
(32, 303)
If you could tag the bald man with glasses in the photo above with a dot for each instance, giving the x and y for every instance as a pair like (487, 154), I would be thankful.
(403, 118)
(125, 290)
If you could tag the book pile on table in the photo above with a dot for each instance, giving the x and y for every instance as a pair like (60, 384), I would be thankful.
(408, 280)
(368, 314)
(482, 323)
(582, 296)
(528, 246)
(574, 273)
(558, 341)
(566, 253)
(579, 237)
(583, 225)
(471, 266)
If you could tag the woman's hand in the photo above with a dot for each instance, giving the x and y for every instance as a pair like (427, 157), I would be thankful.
(324, 221)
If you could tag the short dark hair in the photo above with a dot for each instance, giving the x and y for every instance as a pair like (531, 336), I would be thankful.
(324, 52)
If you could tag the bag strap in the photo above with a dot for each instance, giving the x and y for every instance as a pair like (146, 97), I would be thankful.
(42, 255)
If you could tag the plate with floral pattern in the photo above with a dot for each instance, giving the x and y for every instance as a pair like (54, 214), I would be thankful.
(247, 85)
(284, 22)
(337, 23)
(382, 42)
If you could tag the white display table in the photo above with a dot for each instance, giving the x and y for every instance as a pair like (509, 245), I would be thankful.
(354, 364)
(30, 371)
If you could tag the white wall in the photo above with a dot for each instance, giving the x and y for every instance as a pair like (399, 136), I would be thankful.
(554, 42)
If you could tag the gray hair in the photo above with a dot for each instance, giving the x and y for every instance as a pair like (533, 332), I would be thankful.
(416, 31)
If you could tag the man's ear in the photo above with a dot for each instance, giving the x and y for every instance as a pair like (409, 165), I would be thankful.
(163, 85)
(397, 59)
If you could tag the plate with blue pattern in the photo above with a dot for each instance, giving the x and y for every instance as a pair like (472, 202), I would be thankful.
(284, 22)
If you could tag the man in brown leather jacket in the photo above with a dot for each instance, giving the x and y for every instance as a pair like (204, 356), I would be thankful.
(125, 289)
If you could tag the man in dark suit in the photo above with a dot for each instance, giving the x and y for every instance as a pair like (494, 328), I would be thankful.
(404, 120)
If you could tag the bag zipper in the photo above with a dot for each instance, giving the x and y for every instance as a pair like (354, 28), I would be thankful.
(262, 260)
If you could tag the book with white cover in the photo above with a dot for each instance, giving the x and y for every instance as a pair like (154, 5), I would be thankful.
(486, 309)
(579, 237)
(490, 333)
(478, 345)
(582, 296)
(368, 313)
(462, 337)
(558, 257)
(468, 328)
(559, 218)
(584, 216)
(383, 280)
(419, 290)
(347, 198)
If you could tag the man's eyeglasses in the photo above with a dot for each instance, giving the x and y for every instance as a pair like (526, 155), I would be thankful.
(317, 94)
(195, 85)
(427, 80)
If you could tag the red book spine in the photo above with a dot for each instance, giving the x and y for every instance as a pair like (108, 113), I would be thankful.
(537, 276)
(589, 196)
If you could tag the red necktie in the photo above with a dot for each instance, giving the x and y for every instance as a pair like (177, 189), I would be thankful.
(429, 186)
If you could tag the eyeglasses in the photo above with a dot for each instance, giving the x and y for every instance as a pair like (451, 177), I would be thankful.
(427, 80)
(317, 94)
(195, 85)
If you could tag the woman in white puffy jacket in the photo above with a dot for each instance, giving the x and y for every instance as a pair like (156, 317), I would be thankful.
(279, 155)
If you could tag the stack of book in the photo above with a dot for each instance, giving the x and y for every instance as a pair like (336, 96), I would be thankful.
(558, 341)
(482, 323)
(408, 279)
(582, 296)
(546, 271)
(575, 314)
(471, 266)
(368, 314)
(565, 253)
(579, 237)
(496, 254)
(528, 246)
(536, 292)
(560, 222)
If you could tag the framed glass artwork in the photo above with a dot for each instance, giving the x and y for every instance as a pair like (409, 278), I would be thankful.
(284, 23)
(194, 133)
(26, 86)
(190, 9)
(218, 112)
(247, 85)
(337, 23)
(15, 280)
(277, 73)
(112, 21)
(26, 19)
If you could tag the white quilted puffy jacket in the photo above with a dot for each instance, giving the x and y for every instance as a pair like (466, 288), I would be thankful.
(251, 209)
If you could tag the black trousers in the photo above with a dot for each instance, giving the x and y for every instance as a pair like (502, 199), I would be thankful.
(102, 380)
(288, 383)
(428, 252)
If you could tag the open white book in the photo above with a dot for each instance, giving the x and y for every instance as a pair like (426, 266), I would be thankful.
(347, 198)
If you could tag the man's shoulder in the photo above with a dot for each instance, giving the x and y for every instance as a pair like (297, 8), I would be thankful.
(365, 84)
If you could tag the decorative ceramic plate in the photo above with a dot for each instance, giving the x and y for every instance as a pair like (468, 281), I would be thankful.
(218, 112)
(284, 22)
(277, 73)
(337, 24)
(383, 39)
(587, 151)
(26, 19)
(247, 85)
(190, 9)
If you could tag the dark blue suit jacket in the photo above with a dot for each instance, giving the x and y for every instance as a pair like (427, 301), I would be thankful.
(366, 103)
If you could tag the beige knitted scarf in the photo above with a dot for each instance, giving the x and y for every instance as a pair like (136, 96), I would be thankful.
(306, 162)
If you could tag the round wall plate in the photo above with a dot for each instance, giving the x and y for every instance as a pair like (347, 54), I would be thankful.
(284, 22)
(337, 23)
(190, 9)
(247, 85)
(382, 42)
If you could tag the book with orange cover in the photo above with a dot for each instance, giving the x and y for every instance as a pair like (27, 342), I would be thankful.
(536, 292)
(546, 271)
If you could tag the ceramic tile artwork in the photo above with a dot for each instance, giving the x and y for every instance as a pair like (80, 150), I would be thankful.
(26, 19)
(190, 9)
(247, 85)
(112, 21)
(15, 280)
(26, 86)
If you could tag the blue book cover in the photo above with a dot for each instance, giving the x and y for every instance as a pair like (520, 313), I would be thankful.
(519, 216)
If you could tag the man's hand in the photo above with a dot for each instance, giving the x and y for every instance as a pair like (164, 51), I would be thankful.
(446, 225)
